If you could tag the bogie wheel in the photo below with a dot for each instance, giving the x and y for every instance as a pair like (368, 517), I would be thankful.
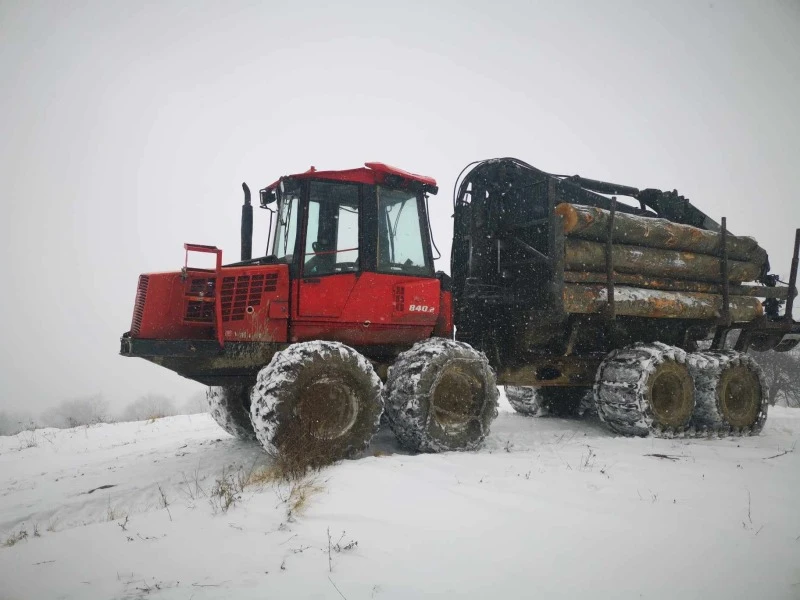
(731, 393)
(524, 400)
(230, 408)
(441, 395)
(645, 389)
(562, 401)
(315, 403)
(541, 401)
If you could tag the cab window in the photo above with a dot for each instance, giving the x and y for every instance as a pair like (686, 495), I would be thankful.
(401, 247)
(331, 244)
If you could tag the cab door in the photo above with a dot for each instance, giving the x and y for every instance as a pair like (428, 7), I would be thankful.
(330, 262)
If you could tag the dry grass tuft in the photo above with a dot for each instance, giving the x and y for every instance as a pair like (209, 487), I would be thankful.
(16, 538)
(299, 495)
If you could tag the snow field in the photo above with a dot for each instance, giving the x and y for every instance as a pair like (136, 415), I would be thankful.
(548, 508)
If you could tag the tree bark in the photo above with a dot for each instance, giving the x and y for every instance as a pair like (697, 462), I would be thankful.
(675, 285)
(590, 223)
(638, 302)
(583, 255)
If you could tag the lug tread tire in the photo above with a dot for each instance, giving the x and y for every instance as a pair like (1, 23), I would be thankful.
(706, 369)
(524, 400)
(274, 398)
(620, 390)
(230, 408)
(409, 386)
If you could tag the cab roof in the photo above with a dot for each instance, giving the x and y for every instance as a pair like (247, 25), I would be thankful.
(372, 173)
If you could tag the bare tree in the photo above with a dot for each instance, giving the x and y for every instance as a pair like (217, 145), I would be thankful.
(782, 371)
(149, 406)
(77, 411)
(11, 422)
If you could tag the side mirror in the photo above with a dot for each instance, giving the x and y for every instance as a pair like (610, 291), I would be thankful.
(267, 197)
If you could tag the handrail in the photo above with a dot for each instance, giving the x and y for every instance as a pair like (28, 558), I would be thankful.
(217, 284)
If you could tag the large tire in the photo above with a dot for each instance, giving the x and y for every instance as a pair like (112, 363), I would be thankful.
(230, 408)
(562, 401)
(441, 395)
(541, 401)
(731, 393)
(316, 403)
(645, 389)
(524, 400)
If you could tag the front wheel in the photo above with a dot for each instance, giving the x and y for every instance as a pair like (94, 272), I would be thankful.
(441, 395)
(315, 403)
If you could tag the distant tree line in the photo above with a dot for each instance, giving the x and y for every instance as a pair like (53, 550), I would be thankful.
(90, 410)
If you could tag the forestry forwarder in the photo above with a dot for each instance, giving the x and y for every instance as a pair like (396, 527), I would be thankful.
(556, 287)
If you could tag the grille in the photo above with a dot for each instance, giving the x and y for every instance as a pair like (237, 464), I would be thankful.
(245, 290)
(138, 307)
(199, 312)
(399, 298)
(201, 286)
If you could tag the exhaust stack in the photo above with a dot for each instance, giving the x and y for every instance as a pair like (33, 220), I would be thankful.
(247, 225)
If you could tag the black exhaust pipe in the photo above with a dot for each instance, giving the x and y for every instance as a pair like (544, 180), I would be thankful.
(247, 225)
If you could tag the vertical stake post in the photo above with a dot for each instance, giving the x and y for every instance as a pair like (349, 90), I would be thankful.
(726, 307)
(611, 311)
(793, 278)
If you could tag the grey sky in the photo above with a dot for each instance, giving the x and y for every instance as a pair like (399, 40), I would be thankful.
(126, 130)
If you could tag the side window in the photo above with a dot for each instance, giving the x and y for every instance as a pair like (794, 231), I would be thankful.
(401, 246)
(332, 231)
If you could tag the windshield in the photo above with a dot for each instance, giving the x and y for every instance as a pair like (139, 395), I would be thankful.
(286, 229)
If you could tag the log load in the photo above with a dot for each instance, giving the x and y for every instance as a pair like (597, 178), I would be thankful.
(675, 285)
(590, 223)
(639, 302)
(584, 255)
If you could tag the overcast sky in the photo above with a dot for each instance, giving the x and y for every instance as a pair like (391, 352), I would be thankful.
(126, 130)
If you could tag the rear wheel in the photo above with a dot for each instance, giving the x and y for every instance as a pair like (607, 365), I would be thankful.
(441, 395)
(230, 408)
(315, 403)
(540, 401)
(562, 401)
(524, 400)
(645, 389)
(731, 393)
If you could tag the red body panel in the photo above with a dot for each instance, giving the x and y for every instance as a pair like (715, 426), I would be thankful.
(365, 309)
(373, 173)
(181, 305)
(378, 309)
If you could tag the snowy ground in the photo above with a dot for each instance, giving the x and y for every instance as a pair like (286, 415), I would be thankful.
(550, 508)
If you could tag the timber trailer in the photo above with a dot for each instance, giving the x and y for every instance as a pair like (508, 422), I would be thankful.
(559, 291)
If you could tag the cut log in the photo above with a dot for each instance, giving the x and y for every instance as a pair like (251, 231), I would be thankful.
(658, 304)
(676, 285)
(590, 223)
(583, 255)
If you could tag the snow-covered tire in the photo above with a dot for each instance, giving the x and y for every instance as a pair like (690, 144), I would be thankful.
(230, 408)
(731, 393)
(524, 400)
(441, 395)
(645, 389)
(555, 401)
(316, 403)
(562, 401)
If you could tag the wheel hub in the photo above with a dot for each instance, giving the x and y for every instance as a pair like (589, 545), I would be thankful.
(672, 395)
(740, 396)
(456, 397)
(328, 407)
